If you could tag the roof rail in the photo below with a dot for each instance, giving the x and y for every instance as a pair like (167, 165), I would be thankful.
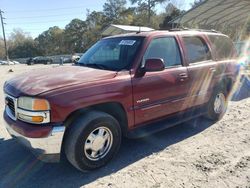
(179, 29)
(190, 29)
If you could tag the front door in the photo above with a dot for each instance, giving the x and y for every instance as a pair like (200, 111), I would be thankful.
(158, 94)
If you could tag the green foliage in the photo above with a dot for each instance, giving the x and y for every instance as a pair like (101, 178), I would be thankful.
(74, 36)
(173, 14)
(113, 10)
(146, 7)
(96, 22)
(21, 45)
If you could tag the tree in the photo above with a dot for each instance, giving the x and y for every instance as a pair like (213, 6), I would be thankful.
(148, 6)
(74, 36)
(21, 45)
(172, 12)
(114, 10)
(51, 42)
(96, 22)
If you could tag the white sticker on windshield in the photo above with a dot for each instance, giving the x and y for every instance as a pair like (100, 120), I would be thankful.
(127, 42)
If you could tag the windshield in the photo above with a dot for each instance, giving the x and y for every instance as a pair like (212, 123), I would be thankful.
(112, 54)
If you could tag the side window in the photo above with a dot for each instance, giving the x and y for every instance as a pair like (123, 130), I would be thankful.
(165, 48)
(196, 49)
(223, 47)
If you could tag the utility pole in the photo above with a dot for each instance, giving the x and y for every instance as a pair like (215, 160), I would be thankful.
(4, 38)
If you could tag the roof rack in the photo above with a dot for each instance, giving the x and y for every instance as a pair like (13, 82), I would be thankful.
(190, 29)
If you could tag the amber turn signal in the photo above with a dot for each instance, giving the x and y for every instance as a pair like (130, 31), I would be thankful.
(40, 105)
(37, 119)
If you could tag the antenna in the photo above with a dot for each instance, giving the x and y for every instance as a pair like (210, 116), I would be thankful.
(139, 30)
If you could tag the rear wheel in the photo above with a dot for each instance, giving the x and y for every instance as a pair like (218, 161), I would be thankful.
(217, 104)
(92, 140)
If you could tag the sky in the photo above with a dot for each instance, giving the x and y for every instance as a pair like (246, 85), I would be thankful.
(36, 16)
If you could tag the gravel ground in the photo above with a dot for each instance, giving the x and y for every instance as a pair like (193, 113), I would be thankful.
(198, 153)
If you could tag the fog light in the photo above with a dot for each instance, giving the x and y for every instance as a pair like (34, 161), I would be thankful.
(37, 119)
(32, 119)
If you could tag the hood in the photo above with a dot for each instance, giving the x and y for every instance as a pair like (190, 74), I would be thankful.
(39, 81)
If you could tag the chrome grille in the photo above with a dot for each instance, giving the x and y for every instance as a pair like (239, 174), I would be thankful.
(11, 105)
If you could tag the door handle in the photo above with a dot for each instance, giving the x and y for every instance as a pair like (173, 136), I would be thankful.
(212, 69)
(183, 75)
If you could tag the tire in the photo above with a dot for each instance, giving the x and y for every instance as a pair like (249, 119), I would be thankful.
(217, 104)
(92, 140)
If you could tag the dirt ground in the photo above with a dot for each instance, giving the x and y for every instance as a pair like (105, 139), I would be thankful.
(198, 153)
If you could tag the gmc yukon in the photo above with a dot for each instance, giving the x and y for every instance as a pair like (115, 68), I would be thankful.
(128, 85)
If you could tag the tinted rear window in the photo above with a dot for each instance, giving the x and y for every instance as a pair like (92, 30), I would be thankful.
(222, 46)
(196, 49)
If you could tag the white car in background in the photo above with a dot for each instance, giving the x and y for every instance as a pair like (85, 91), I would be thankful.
(2, 62)
(15, 62)
(9, 62)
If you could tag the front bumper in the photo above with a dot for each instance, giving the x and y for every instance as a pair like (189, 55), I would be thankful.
(46, 146)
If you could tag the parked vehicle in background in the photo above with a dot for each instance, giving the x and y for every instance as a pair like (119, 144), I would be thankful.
(2, 62)
(15, 62)
(75, 58)
(39, 60)
(66, 60)
(124, 86)
(10, 62)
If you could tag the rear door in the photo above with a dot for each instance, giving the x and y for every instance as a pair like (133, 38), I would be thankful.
(157, 94)
(201, 68)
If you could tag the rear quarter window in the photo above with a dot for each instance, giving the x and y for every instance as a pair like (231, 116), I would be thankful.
(222, 46)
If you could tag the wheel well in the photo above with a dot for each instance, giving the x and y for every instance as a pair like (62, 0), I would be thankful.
(114, 109)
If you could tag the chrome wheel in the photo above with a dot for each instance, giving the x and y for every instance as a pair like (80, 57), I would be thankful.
(98, 143)
(219, 103)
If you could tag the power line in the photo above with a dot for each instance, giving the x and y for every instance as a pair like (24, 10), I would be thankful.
(52, 9)
(32, 29)
(10, 23)
(55, 15)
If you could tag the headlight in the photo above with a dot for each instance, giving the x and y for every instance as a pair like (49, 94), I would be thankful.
(33, 110)
(33, 104)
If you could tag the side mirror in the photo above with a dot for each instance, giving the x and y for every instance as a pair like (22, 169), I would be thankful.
(154, 65)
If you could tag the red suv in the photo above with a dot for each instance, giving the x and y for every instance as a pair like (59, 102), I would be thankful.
(127, 85)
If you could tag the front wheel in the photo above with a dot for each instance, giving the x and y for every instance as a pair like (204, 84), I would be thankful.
(92, 140)
(217, 105)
